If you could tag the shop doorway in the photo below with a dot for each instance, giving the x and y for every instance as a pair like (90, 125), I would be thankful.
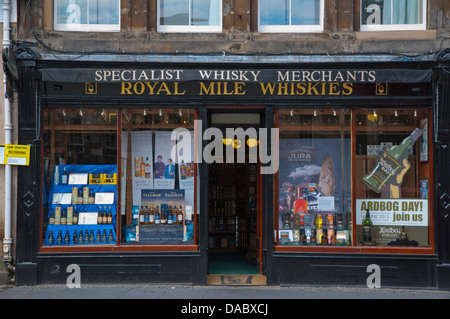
(234, 204)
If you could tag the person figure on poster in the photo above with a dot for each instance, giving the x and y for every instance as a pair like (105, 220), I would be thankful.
(159, 168)
(169, 170)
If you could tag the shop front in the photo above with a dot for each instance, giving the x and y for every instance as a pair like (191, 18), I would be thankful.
(188, 171)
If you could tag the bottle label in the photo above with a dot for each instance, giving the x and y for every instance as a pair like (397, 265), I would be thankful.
(367, 233)
(381, 173)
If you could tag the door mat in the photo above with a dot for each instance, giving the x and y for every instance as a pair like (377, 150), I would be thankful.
(236, 280)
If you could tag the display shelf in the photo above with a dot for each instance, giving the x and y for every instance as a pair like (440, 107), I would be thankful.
(89, 193)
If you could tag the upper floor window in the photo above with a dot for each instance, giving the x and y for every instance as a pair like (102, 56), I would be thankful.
(87, 15)
(391, 15)
(290, 15)
(189, 16)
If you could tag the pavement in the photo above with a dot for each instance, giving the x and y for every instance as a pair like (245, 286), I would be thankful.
(190, 292)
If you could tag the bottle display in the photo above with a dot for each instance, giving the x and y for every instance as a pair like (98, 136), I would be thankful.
(390, 162)
(79, 219)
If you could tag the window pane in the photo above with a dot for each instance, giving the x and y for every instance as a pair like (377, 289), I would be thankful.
(305, 12)
(104, 12)
(72, 12)
(391, 12)
(158, 197)
(193, 12)
(80, 14)
(274, 12)
(205, 12)
(80, 177)
(392, 176)
(314, 177)
(174, 12)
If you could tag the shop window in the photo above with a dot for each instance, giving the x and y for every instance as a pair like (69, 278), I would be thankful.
(376, 196)
(290, 15)
(314, 178)
(87, 15)
(393, 177)
(189, 16)
(102, 188)
(385, 15)
(159, 177)
(80, 177)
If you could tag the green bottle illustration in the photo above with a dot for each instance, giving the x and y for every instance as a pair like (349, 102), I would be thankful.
(390, 163)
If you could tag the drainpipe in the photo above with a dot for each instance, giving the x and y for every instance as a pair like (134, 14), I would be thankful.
(7, 240)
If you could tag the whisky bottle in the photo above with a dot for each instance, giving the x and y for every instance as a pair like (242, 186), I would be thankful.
(111, 236)
(157, 216)
(104, 239)
(51, 219)
(170, 216)
(333, 239)
(56, 176)
(91, 237)
(390, 162)
(75, 237)
(147, 169)
(340, 222)
(64, 177)
(300, 205)
(51, 240)
(146, 216)
(403, 234)
(175, 215)
(182, 170)
(105, 216)
(367, 228)
(67, 238)
(163, 216)
(287, 220)
(59, 237)
(109, 219)
(141, 216)
(91, 196)
(142, 166)
(152, 216)
(324, 239)
(180, 216)
(100, 216)
(63, 217)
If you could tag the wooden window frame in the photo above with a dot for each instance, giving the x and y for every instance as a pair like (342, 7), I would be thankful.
(118, 246)
(354, 248)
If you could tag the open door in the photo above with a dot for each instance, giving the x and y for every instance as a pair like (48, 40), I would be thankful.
(235, 221)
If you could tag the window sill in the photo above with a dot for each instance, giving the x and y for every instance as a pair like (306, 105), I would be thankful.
(356, 249)
(396, 35)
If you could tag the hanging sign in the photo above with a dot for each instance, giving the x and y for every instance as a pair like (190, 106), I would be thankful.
(11, 154)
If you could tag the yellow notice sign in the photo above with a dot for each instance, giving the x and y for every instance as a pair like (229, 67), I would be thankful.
(11, 154)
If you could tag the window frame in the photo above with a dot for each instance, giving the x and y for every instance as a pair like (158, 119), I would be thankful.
(188, 28)
(118, 245)
(395, 27)
(355, 246)
(293, 28)
(84, 27)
